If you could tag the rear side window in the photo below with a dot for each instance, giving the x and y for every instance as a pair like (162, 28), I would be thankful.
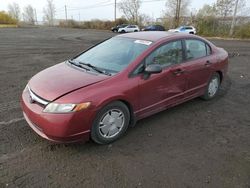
(196, 49)
(166, 55)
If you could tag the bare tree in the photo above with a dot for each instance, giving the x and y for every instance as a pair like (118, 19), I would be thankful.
(178, 8)
(239, 5)
(49, 13)
(234, 17)
(146, 19)
(130, 9)
(242, 9)
(207, 10)
(224, 8)
(29, 14)
(206, 21)
(14, 11)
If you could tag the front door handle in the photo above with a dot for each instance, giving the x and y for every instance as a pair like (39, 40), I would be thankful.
(178, 71)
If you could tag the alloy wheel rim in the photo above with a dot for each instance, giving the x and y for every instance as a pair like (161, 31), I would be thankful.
(111, 123)
(213, 87)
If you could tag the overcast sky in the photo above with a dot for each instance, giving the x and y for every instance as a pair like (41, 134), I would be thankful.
(100, 9)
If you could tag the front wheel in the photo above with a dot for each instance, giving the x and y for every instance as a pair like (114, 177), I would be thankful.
(110, 123)
(212, 87)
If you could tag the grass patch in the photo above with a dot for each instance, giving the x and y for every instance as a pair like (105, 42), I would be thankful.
(7, 25)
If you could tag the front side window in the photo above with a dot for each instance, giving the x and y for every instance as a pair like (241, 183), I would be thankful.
(166, 55)
(181, 28)
(195, 49)
(115, 54)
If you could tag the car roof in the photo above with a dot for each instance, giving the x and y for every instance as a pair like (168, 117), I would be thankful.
(152, 36)
(154, 25)
(186, 26)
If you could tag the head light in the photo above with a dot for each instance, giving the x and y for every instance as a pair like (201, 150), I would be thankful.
(65, 108)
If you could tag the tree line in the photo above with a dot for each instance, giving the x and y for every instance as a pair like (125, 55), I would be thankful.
(221, 18)
(29, 15)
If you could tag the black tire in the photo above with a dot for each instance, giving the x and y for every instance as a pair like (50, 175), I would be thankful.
(191, 32)
(96, 134)
(115, 30)
(122, 31)
(136, 31)
(207, 95)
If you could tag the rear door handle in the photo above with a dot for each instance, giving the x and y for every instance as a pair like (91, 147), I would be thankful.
(208, 63)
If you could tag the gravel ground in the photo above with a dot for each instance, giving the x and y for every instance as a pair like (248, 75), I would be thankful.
(196, 144)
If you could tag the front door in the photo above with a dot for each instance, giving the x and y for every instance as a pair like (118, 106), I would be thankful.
(157, 91)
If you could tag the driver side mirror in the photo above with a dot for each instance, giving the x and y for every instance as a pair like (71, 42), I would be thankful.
(153, 69)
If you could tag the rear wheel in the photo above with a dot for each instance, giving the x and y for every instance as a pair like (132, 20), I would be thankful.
(110, 123)
(212, 87)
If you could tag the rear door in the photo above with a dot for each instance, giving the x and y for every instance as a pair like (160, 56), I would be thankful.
(198, 65)
(158, 91)
(130, 28)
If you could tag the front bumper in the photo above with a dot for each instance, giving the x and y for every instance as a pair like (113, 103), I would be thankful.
(60, 128)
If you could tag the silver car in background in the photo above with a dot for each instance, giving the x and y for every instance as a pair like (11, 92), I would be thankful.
(129, 28)
(184, 29)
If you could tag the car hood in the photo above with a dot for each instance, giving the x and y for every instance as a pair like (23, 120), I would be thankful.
(61, 79)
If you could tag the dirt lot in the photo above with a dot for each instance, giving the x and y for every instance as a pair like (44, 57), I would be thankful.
(196, 144)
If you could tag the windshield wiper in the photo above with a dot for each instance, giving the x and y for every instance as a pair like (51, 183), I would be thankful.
(95, 68)
(77, 64)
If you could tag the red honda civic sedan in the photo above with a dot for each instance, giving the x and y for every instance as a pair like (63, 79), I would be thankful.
(101, 92)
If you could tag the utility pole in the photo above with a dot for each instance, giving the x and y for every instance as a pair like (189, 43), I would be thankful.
(66, 16)
(191, 18)
(79, 16)
(179, 10)
(115, 10)
(176, 13)
(234, 18)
